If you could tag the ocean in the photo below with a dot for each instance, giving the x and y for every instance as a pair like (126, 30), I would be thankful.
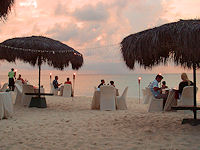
(85, 83)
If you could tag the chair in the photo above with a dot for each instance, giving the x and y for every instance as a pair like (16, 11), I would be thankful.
(187, 96)
(4, 88)
(53, 90)
(67, 90)
(121, 100)
(19, 94)
(26, 99)
(147, 95)
(107, 98)
(155, 105)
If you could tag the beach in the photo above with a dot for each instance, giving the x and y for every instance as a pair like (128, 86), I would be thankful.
(68, 124)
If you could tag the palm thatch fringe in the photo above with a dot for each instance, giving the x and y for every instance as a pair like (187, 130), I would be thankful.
(33, 49)
(178, 41)
(5, 8)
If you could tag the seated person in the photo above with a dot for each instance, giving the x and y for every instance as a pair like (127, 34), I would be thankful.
(164, 85)
(112, 83)
(102, 83)
(55, 83)
(67, 82)
(21, 79)
(185, 82)
(156, 91)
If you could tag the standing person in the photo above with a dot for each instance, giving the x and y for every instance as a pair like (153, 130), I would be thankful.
(102, 83)
(55, 83)
(156, 91)
(68, 81)
(11, 76)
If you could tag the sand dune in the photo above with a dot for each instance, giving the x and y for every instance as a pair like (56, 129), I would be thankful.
(70, 124)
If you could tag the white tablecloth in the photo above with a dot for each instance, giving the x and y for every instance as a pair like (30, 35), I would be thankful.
(171, 101)
(6, 105)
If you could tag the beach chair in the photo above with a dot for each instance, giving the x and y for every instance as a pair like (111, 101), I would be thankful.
(121, 100)
(155, 105)
(107, 98)
(4, 88)
(187, 97)
(53, 90)
(26, 99)
(67, 90)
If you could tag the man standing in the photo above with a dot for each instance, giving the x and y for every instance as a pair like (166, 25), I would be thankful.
(156, 91)
(11, 76)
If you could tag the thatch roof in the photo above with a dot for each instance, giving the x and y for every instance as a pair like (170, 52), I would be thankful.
(5, 8)
(178, 40)
(29, 49)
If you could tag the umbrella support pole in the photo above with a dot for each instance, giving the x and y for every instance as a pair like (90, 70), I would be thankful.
(195, 98)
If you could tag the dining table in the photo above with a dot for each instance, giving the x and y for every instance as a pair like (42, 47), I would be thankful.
(6, 105)
(171, 99)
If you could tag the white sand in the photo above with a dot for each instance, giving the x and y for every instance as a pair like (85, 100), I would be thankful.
(69, 125)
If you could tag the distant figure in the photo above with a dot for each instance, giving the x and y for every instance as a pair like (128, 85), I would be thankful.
(20, 78)
(55, 83)
(68, 81)
(102, 83)
(185, 82)
(112, 83)
(164, 85)
(156, 91)
(11, 76)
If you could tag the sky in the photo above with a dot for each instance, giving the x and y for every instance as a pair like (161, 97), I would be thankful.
(94, 28)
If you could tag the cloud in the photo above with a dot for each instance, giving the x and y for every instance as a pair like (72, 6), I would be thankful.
(91, 13)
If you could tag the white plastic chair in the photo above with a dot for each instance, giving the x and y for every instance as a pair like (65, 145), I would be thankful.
(187, 97)
(4, 88)
(121, 100)
(155, 105)
(67, 90)
(53, 90)
(26, 99)
(107, 98)
(19, 94)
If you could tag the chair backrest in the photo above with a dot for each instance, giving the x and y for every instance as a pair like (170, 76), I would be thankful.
(4, 88)
(108, 90)
(19, 82)
(27, 89)
(107, 98)
(124, 94)
(187, 95)
(67, 90)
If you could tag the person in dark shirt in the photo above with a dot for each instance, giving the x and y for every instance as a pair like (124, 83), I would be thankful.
(55, 83)
(102, 83)
(112, 83)
(184, 83)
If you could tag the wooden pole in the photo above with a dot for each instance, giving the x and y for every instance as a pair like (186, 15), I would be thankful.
(195, 99)
(39, 64)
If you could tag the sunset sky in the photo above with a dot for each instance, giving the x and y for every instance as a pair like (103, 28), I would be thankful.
(95, 28)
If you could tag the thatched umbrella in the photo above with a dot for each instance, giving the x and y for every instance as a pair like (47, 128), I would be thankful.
(37, 50)
(178, 41)
(5, 8)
